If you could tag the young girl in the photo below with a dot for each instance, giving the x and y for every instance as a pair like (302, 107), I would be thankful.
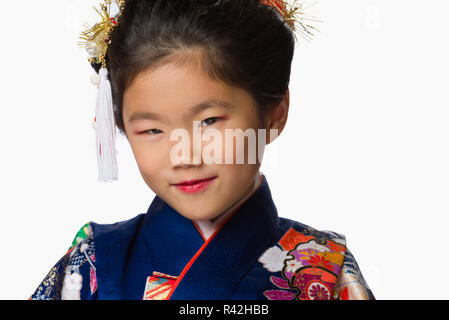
(212, 230)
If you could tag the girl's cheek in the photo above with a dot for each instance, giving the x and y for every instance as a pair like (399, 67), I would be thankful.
(149, 167)
(147, 153)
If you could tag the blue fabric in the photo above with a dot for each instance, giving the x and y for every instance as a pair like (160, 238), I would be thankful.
(234, 250)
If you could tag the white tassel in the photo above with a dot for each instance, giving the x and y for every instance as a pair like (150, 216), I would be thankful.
(71, 288)
(105, 128)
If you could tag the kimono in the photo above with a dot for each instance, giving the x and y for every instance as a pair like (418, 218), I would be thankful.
(161, 255)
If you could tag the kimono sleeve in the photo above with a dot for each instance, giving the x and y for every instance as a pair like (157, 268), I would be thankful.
(73, 277)
(350, 283)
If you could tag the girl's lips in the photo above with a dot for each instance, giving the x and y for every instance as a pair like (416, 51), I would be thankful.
(194, 186)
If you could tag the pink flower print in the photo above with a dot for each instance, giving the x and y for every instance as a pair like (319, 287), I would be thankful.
(279, 295)
(93, 281)
(279, 282)
(317, 291)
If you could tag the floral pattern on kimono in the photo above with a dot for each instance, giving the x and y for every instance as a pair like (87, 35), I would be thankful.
(313, 265)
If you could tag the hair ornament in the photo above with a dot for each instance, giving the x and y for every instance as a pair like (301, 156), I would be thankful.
(294, 14)
(96, 40)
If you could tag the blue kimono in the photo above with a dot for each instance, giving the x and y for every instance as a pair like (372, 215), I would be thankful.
(161, 255)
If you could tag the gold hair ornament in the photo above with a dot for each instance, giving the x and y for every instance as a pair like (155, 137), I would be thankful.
(96, 38)
(294, 14)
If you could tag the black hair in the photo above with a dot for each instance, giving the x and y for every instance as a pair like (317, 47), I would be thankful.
(243, 43)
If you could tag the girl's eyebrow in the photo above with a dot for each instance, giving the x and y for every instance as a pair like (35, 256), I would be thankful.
(139, 115)
(209, 103)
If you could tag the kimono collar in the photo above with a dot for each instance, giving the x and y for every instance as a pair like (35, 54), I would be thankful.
(224, 259)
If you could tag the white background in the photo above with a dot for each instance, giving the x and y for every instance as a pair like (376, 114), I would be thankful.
(365, 151)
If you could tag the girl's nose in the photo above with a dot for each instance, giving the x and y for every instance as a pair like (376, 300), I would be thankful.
(187, 152)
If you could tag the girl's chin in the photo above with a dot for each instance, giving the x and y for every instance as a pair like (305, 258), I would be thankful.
(196, 215)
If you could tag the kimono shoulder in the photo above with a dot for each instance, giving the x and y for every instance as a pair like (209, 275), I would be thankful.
(308, 264)
(112, 244)
(73, 277)
(116, 237)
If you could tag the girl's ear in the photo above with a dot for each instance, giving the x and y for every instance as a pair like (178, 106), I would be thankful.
(277, 118)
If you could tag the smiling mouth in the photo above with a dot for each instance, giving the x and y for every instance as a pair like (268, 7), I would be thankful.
(192, 186)
(192, 182)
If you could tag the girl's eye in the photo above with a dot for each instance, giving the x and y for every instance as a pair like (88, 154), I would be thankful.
(152, 131)
(209, 121)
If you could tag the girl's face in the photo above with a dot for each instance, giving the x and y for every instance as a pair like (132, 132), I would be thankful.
(162, 100)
